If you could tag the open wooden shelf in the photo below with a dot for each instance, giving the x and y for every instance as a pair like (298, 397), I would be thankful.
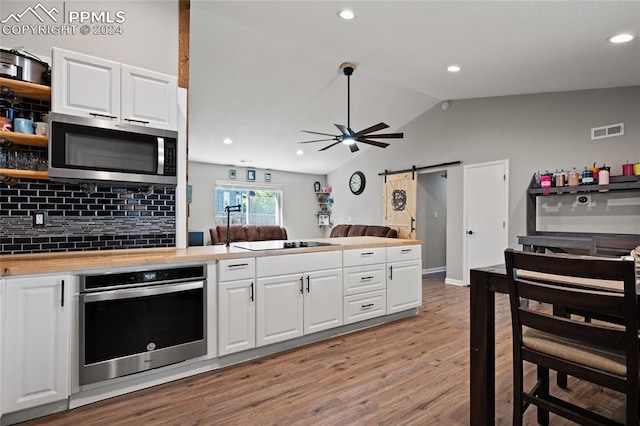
(617, 183)
(27, 90)
(25, 139)
(24, 174)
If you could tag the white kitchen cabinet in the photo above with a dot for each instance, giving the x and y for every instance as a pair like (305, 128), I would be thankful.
(35, 344)
(404, 278)
(364, 284)
(89, 86)
(149, 98)
(297, 294)
(236, 305)
(84, 85)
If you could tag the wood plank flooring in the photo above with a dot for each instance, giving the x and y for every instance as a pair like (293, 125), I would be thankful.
(412, 372)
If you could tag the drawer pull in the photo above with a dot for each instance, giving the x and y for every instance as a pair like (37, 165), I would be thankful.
(406, 250)
(367, 306)
(238, 265)
(366, 278)
(368, 253)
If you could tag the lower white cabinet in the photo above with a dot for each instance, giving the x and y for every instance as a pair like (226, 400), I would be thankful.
(236, 316)
(404, 278)
(359, 307)
(297, 294)
(35, 343)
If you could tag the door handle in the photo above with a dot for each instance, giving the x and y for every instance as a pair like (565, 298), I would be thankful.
(251, 297)
(62, 295)
(470, 232)
(391, 272)
(301, 285)
(413, 221)
(308, 283)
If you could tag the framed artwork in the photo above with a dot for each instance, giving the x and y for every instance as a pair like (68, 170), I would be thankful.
(232, 173)
(323, 219)
(267, 177)
(251, 174)
(316, 186)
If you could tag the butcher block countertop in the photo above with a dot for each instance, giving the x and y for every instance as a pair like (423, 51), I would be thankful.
(44, 263)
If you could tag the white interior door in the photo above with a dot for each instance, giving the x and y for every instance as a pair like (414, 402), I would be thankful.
(486, 213)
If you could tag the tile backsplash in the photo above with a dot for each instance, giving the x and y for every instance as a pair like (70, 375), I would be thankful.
(112, 217)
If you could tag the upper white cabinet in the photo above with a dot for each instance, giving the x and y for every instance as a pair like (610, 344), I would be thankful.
(149, 98)
(88, 86)
(404, 278)
(85, 85)
(35, 343)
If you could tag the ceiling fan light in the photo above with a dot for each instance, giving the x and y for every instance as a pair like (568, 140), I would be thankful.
(348, 140)
(299, 152)
(453, 68)
(346, 14)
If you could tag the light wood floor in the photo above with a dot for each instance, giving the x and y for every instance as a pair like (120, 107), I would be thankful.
(412, 372)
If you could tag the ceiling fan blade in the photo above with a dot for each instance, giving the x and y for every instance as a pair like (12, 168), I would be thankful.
(317, 133)
(372, 129)
(344, 129)
(375, 143)
(329, 146)
(353, 147)
(319, 140)
(387, 136)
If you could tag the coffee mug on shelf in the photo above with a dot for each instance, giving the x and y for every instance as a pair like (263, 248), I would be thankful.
(627, 169)
(23, 125)
(41, 128)
(5, 124)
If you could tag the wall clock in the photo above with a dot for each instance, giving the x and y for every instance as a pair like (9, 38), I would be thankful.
(357, 183)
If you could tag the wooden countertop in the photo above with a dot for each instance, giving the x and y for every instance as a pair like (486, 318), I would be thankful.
(45, 263)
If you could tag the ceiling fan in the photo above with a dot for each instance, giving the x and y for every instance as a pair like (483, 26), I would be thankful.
(348, 136)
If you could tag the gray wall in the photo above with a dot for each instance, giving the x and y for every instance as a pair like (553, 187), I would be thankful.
(300, 204)
(535, 132)
(149, 38)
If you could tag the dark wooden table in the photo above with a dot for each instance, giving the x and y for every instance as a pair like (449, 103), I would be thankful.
(485, 282)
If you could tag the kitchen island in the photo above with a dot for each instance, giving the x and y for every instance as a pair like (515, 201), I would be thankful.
(254, 301)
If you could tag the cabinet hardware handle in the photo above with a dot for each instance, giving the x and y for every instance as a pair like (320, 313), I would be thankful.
(62, 295)
(405, 250)
(102, 115)
(136, 121)
(367, 305)
(366, 278)
(238, 265)
(251, 291)
(308, 283)
(391, 272)
(369, 253)
(301, 285)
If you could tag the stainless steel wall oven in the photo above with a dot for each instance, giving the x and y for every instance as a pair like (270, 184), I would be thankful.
(139, 320)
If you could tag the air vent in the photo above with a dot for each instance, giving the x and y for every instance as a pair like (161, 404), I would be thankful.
(607, 131)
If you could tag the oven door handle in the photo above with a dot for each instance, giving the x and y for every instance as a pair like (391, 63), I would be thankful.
(140, 292)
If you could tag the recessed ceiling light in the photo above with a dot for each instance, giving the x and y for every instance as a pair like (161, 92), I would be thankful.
(346, 14)
(621, 38)
(227, 141)
(299, 152)
(453, 68)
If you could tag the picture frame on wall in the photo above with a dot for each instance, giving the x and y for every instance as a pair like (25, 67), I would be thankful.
(324, 219)
(251, 174)
(232, 173)
(267, 177)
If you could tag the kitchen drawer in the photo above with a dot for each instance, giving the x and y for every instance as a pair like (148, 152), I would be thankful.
(363, 306)
(269, 266)
(400, 253)
(361, 279)
(365, 256)
(236, 269)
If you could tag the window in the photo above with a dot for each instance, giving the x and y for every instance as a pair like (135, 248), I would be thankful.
(259, 204)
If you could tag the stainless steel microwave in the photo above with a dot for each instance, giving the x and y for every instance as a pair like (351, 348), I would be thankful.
(93, 150)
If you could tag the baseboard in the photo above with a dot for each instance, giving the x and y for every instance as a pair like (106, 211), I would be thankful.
(454, 282)
(434, 270)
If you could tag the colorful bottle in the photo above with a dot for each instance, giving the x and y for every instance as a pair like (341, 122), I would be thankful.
(587, 176)
(603, 177)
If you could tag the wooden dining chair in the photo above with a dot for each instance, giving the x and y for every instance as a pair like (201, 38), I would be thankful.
(598, 352)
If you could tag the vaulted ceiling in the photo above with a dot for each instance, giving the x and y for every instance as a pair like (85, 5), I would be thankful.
(261, 71)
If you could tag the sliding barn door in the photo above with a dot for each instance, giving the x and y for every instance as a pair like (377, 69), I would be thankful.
(400, 204)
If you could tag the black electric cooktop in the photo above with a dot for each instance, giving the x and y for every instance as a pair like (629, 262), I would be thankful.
(278, 245)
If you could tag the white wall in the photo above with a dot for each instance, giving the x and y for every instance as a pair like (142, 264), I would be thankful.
(149, 38)
(535, 132)
(300, 204)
